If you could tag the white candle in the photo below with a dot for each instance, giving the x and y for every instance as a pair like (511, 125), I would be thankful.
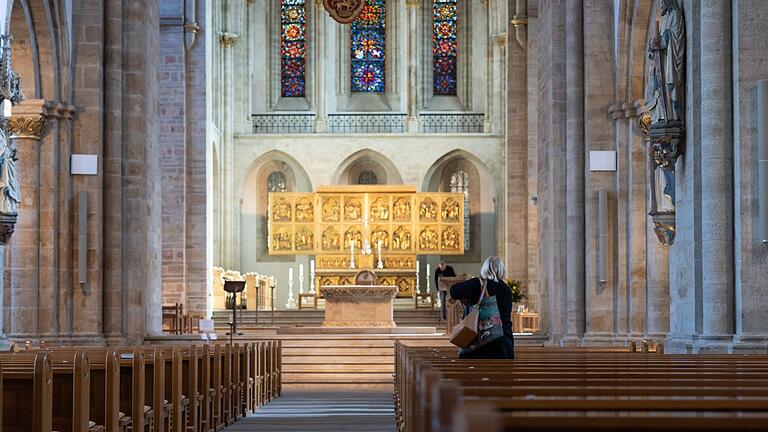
(312, 266)
(427, 270)
(379, 246)
(417, 266)
(352, 247)
(301, 271)
(290, 274)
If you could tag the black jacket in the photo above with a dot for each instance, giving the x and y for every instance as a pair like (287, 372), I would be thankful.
(469, 293)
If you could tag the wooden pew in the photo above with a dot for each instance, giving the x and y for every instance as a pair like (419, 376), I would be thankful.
(27, 395)
(190, 389)
(578, 390)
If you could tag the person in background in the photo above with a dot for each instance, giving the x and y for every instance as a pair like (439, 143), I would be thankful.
(468, 292)
(447, 271)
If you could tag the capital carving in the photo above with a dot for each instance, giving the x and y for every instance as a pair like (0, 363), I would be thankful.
(26, 127)
(412, 4)
(228, 40)
(7, 226)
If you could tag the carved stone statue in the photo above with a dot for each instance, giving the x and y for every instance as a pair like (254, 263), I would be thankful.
(9, 183)
(665, 84)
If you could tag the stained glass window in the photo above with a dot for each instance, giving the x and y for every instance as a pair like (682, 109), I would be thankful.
(444, 47)
(460, 184)
(293, 47)
(368, 35)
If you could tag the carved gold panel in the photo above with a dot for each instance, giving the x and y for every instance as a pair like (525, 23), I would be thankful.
(379, 209)
(428, 238)
(450, 239)
(304, 238)
(330, 239)
(331, 208)
(427, 209)
(402, 239)
(404, 262)
(405, 286)
(282, 239)
(353, 209)
(451, 210)
(305, 210)
(353, 233)
(380, 232)
(402, 208)
(405, 221)
(281, 210)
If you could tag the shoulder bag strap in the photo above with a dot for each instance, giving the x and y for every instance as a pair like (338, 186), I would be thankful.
(484, 290)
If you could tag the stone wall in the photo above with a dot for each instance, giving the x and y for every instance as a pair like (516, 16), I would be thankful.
(183, 153)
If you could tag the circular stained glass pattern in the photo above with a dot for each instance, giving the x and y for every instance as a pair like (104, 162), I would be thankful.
(368, 77)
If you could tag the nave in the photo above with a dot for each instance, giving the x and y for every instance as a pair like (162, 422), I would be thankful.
(331, 410)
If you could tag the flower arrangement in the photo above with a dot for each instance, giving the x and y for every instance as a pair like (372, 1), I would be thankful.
(517, 290)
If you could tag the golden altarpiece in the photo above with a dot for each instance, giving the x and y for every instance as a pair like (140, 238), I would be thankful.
(342, 224)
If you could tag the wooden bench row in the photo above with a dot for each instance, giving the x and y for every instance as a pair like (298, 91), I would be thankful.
(579, 390)
(157, 388)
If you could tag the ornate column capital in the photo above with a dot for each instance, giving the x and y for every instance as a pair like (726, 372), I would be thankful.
(412, 4)
(228, 40)
(27, 120)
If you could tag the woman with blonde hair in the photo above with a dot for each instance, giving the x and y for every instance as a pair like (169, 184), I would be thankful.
(469, 292)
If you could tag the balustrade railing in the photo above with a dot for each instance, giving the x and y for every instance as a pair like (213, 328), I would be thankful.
(283, 123)
(366, 123)
(452, 122)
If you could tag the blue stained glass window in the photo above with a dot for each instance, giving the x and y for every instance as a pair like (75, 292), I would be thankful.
(368, 37)
(293, 48)
(444, 47)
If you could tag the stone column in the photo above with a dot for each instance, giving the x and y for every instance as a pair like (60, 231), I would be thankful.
(413, 60)
(574, 138)
(717, 260)
(25, 129)
(599, 132)
(321, 116)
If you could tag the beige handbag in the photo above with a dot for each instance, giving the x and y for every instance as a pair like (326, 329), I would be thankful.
(465, 332)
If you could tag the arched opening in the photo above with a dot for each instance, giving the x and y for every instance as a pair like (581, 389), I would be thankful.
(464, 173)
(367, 167)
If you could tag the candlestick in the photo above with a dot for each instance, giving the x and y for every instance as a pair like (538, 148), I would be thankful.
(427, 278)
(418, 291)
(312, 276)
(301, 278)
(291, 304)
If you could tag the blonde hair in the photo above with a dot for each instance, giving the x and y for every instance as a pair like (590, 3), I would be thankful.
(493, 269)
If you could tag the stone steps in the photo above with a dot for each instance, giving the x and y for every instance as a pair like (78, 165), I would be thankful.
(314, 318)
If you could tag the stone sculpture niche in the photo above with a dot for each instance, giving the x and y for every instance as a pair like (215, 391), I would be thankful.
(662, 121)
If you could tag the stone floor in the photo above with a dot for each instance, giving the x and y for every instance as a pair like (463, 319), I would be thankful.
(321, 410)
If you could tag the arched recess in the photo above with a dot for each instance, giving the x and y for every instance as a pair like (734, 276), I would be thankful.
(353, 166)
(482, 204)
(39, 48)
(253, 194)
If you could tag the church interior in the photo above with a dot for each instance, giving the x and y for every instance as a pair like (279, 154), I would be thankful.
(211, 217)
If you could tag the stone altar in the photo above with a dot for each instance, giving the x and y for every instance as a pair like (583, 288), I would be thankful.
(359, 305)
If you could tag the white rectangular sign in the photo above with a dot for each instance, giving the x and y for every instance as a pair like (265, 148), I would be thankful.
(602, 160)
(84, 164)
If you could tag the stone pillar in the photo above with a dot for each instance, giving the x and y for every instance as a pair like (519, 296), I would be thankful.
(515, 217)
(574, 137)
(321, 115)
(25, 129)
(717, 258)
(602, 306)
(413, 59)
